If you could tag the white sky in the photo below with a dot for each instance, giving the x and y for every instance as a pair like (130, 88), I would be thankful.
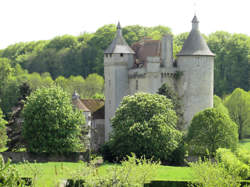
(29, 20)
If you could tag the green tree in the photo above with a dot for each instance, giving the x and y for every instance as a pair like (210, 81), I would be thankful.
(210, 130)
(3, 135)
(61, 42)
(231, 67)
(218, 104)
(147, 121)
(170, 94)
(50, 123)
(238, 104)
(94, 84)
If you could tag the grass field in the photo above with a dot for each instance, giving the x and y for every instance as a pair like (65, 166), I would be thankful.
(245, 143)
(49, 174)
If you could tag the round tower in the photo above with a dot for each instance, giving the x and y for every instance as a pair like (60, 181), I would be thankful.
(118, 57)
(196, 65)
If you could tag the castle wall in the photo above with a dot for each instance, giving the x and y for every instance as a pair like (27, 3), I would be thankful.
(195, 86)
(149, 79)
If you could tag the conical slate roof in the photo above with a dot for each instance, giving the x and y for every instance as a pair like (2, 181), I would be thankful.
(119, 45)
(195, 43)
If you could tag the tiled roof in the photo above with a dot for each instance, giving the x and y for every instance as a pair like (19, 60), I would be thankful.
(78, 103)
(93, 104)
(146, 47)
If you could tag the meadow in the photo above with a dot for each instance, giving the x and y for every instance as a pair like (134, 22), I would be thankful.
(50, 174)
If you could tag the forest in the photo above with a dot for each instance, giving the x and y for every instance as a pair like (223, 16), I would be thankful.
(76, 62)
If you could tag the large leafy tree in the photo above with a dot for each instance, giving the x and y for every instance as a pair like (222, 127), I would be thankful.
(218, 104)
(145, 124)
(50, 123)
(231, 67)
(238, 104)
(210, 130)
(3, 135)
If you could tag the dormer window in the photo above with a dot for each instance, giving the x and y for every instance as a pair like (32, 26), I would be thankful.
(121, 54)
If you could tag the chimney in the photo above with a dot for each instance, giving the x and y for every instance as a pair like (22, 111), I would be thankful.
(167, 50)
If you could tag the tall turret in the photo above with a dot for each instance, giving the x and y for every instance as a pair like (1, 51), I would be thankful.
(118, 58)
(196, 62)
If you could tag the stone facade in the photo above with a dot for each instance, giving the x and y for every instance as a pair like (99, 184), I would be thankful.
(93, 111)
(150, 63)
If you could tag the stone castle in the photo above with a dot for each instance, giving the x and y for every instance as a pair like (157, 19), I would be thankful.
(148, 64)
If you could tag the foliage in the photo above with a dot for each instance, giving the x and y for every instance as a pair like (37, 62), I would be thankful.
(210, 130)
(238, 104)
(243, 155)
(49, 173)
(218, 104)
(50, 123)
(9, 177)
(170, 94)
(82, 55)
(231, 67)
(210, 174)
(147, 121)
(231, 163)
(132, 172)
(12, 77)
(3, 136)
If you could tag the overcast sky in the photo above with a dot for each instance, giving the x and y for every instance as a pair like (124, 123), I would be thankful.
(29, 20)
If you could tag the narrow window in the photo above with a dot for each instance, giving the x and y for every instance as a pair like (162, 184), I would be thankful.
(109, 83)
(106, 55)
(121, 55)
(110, 55)
(136, 85)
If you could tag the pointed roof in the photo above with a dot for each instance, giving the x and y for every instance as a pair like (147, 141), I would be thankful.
(195, 43)
(119, 45)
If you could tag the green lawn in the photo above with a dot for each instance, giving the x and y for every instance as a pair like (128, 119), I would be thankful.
(50, 173)
(245, 143)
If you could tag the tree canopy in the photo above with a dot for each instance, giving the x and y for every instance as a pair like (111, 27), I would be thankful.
(238, 104)
(147, 121)
(50, 123)
(209, 130)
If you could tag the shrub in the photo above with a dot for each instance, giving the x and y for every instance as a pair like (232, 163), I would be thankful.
(210, 174)
(3, 135)
(145, 124)
(50, 123)
(9, 175)
(243, 155)
(132, 172)
(210, 130)
(231, 163)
